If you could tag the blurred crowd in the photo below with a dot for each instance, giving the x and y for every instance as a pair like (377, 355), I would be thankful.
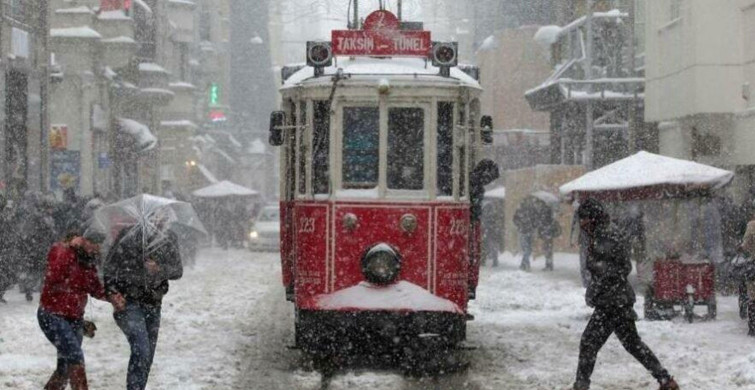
(29, 227)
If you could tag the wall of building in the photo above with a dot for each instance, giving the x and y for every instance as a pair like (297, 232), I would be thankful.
(511, 65)
(694, 60)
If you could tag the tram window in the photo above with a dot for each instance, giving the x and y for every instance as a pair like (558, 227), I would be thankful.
(445, 148)
(302, 129)
(462, 171)
(361, 143)
(406, 146)
(321, 147)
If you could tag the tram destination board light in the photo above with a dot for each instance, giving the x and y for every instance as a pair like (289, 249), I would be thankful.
(319, 55)
(445, 55)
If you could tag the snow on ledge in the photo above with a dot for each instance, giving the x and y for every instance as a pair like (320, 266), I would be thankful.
(75, 10)
(547, 35)
(113, 15)
(401, 296)
(121, 39)
(151, 67)
(85, 32)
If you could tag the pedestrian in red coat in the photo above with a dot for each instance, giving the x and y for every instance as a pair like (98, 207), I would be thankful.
(71, 277)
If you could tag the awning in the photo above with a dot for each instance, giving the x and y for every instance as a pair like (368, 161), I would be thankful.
(144, 138)
(647, 176)
(223, 189)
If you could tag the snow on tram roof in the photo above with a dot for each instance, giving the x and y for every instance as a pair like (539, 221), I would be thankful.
(379, 68)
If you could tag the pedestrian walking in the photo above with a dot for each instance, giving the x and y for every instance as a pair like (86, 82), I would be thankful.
(37, 233)
(525, 220)
(747, 293)
(7, 234)
(71, 277)
(612, 297)
(139, 266)
(548, 229)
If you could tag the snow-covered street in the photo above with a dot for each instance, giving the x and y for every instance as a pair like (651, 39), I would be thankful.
(226, 326)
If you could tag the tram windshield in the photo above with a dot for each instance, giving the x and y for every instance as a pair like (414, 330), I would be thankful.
(361, 143)
(406, 160)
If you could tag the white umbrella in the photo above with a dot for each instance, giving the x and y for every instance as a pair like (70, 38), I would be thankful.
(152, 215)
(223, 189)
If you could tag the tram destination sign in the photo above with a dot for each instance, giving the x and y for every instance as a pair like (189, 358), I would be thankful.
(382, 37)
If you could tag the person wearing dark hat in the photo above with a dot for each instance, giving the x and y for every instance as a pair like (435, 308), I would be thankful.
(612, 297)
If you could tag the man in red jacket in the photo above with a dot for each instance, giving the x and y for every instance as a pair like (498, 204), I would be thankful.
(70, 278)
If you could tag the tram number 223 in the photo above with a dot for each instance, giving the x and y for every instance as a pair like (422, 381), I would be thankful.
(458, 227)
(306, 225)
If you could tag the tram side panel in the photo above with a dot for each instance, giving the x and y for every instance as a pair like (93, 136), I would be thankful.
(451, 258)
(311, 232)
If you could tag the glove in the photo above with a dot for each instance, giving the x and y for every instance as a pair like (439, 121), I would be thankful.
(89, 329)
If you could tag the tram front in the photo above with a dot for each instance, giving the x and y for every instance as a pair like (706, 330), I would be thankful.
(376, 155)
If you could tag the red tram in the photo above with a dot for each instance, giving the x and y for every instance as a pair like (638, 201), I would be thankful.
(379, 136)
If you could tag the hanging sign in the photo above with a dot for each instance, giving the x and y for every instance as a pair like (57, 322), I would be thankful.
(58, 137)
(382, 37)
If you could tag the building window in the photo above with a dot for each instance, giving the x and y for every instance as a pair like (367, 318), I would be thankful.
(16, 9)
(675, 11)
(705, 145)
(445, 148)
(321, 147)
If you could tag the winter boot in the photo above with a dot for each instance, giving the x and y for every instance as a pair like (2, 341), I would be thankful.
(669, 384)
(58, 381)
(78, 377)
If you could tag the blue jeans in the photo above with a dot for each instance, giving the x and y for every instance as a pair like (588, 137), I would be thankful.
(66, 335)
(525, 241)
(141, 325)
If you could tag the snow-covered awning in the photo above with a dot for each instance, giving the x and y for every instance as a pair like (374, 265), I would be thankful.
(223, 189)
(647, 176)
(144, 138)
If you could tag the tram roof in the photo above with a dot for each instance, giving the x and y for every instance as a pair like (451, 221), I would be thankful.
(369, 69)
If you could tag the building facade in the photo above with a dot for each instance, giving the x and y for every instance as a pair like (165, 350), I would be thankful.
(700, 65)
(24, 96)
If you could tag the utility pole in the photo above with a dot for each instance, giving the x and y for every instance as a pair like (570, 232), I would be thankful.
(589, 153)
(356, 14)
(633, 129)
(399, 11)
(44, 93)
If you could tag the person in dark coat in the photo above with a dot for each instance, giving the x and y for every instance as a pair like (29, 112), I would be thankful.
(525, 220)
(36, 234)
(7, 269)
(485, 172)
(548, 229)
(612, 297)
(71, 277)
(139, 266)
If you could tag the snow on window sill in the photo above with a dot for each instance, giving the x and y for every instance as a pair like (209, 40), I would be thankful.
(670, 25)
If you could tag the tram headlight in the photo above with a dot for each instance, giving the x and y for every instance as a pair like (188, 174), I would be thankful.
(381, 264)
(254, 235)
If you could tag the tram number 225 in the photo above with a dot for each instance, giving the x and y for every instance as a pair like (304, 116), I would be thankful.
(306, 225)
(458, 227)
